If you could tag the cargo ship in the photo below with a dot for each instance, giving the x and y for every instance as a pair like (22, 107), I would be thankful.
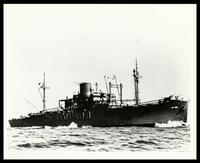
(91, 107)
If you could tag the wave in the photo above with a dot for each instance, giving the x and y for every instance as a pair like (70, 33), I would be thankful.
(72, 125)
(172, 124)
(48, 127)
(146, 142)
(55, 143)
(65, 143)
(75, 135)
(86, 126)
(28, 128)
(26, 145)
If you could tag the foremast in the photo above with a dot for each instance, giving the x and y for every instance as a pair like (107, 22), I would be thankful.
(136, 81)
(43, 86)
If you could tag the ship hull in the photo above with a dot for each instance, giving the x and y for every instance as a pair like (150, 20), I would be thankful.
(104, 116)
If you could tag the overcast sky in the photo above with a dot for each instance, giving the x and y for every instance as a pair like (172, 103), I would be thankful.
(82, 43)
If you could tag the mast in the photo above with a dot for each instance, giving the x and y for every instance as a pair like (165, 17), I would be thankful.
(44, 100)
(96, 84)
(136, 81)
(44, 93)
(106, 84)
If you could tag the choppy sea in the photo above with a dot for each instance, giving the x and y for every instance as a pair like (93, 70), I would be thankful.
(173, 136)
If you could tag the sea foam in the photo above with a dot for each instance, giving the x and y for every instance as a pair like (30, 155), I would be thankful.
(172, 124)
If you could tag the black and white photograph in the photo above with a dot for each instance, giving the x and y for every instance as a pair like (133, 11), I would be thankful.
(99, 81)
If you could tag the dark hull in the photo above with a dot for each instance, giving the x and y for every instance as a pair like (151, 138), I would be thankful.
(103, 116)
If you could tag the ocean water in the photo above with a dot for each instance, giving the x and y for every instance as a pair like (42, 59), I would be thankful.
(173, 136)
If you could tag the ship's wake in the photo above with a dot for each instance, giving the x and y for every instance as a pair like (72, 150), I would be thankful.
(71, 125)
(169, 124)
(172, 124)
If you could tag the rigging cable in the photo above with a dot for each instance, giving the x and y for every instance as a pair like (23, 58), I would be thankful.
(31, 104)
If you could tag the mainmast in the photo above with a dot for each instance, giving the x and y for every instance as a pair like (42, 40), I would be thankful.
(136, 81)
